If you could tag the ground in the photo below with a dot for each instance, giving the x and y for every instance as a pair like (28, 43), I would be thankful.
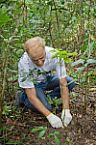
(81, 131)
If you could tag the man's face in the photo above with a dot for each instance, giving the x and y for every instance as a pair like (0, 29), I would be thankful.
(38, 58)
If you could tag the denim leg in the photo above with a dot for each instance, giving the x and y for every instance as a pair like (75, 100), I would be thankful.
(53, 82)
(55, 85)
(71, 83)
(42, 97)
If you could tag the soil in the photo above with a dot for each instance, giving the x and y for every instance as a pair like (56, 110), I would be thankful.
(81, 131)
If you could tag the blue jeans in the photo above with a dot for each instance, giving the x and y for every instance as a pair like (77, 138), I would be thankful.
(53, 84)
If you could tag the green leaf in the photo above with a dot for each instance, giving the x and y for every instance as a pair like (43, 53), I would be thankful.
(56, 132)
(13, 142)
(40, 130)
(4, 18)
(77, 62)
(3, 128)
(13, 78)
(41, 133)
(57, 140)
(34, 130)
(19, 52)
(6, 110)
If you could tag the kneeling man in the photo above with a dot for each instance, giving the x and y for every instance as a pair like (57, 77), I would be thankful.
(36, 76)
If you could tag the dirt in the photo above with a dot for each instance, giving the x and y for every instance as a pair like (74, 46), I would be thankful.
(81, 131)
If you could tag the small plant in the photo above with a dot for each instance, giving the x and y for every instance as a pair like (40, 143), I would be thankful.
(50, 100)
(6, 110)
(57, 102)
(10, 111)
(61, 54)
(56, 136)
(40, 130)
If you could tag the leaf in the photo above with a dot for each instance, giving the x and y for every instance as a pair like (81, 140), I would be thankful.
(12, 70)
(42, 133)
(61, 54)
(4, 18)
(83, 79)
(3, 128)
(89, 47)
(14, 142)
(77, 62)
(6, 110)
(34, 130)
(19, 52)
(40, 128)
(57, 140)
(13, 78)
(56, 132)
(91, 61)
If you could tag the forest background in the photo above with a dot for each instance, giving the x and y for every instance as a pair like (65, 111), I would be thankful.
(66, 24)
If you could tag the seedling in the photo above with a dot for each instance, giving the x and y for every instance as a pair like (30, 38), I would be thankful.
(56, 136)
(40, 130)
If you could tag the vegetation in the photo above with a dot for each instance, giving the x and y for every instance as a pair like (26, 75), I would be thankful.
(67, 25)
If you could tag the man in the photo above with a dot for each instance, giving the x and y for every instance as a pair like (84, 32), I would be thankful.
(36, 76)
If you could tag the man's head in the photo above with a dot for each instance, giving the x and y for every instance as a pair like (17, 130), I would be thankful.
(35, 47)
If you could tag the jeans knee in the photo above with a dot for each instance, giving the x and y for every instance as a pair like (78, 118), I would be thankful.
(71, 85)
(50, 108)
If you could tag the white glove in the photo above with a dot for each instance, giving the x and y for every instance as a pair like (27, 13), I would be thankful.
(55, 121)
(66, 116)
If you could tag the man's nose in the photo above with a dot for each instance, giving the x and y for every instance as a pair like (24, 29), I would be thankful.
(40, 62)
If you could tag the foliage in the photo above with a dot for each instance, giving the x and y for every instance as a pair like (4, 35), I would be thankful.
(13, 142)
(70, 25)
(61, 54)
(40, 130)
(6, 110)
(10, 111)
(56, 137)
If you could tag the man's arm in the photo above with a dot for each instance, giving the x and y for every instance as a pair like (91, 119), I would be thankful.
(54, 120)
(31, 93)
(64, 93)
(66, 115)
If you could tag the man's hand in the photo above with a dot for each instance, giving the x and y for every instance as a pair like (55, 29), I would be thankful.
(66, 116)
(55, 121)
